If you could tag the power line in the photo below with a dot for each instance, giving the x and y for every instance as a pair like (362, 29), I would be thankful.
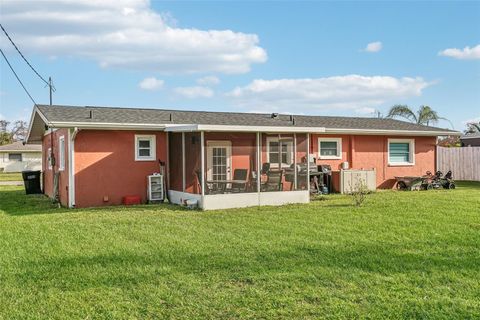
(25, 59)
(20, 81)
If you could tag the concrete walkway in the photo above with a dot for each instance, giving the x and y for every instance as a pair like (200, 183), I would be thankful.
(11, 183)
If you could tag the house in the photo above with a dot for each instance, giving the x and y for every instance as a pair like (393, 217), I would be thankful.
(471, 140)
(95, 156)
(16, 157)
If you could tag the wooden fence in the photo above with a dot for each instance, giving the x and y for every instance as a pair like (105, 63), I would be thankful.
(464, 162)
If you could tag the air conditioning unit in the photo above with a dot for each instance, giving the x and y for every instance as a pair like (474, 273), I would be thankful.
(156, 190)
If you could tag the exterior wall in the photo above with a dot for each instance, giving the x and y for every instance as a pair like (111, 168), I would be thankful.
(105, 167)
(366, 152)
(106, 170)
(30, 161)
(48, 173)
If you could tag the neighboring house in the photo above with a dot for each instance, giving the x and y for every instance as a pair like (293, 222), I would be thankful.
(219, 159)
(471, 140)
(16, 157)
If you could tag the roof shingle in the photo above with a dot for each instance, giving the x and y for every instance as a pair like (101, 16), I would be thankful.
(20, 147)
(58, 113)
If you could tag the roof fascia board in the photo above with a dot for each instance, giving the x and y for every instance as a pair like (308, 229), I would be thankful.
(32, 118)
(108, 125)
(391, 132)
(226, 128)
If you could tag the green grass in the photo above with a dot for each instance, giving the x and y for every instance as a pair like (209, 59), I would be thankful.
(401, 255)
(10, 176)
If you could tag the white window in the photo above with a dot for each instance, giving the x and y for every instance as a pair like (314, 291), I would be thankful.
(145, 147)
(279, 152)
(49, 158)
(401, 152)
(330, 148)
(61, 153)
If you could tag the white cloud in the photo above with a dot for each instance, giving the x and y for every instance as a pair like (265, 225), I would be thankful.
(353, 92)
(194, 92)
(151, 83)
(126, 34)
(365, 110)
(373, 47)
(466, 53)
(208, 81)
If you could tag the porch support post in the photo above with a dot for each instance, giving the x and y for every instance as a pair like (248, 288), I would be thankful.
(183, 161)
(308, 163)
(258, 161)
(202, 163)
(294, 161)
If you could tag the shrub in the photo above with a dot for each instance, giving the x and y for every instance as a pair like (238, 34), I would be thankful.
(359, 192)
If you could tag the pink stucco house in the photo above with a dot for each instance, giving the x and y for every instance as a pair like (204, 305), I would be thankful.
(218, 159)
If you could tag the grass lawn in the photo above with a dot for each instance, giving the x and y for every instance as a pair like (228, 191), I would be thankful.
(10, 176)
(401, 255)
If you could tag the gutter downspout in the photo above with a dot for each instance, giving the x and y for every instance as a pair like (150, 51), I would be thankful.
(71, 167)
(55, 197)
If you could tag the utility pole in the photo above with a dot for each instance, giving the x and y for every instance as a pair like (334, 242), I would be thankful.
(50, 85)
(55, 193)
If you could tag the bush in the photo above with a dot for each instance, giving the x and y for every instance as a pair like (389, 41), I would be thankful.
(359, 192)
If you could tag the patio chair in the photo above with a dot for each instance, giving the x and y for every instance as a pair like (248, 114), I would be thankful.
(274, 181)
(265, 168)
(239, 174)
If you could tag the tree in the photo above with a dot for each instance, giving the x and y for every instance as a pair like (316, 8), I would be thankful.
(20, 130)
(5, 136)
(449, 142)
(425, 115)
(3, 126)
(472, 127)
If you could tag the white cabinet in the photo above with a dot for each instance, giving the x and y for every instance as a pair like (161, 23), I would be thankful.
(155, 187)
(350, 180)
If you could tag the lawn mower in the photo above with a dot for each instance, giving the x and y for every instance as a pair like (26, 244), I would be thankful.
(427, 182)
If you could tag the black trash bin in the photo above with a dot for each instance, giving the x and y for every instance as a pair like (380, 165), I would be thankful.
(31, 180)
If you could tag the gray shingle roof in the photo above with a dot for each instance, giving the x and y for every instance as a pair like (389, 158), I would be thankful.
(18, 146)
(471, 136)
(160, 116)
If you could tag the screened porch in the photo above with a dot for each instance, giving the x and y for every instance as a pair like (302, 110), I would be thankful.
(237, 169)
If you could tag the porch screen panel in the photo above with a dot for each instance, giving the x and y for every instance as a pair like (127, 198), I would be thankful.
(244, 162)
(278, 162)
(193, 162)
(302, 158)
(175, 161)
(230, 162)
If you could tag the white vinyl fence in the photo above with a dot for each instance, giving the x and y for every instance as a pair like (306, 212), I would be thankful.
(464, 162)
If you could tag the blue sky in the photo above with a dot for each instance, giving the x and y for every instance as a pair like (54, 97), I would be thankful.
(292, 57)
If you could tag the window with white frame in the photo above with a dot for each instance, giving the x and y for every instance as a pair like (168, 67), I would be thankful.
(145, 147)
(61, 153)
(49, 159)
(401, 151)
(279, 152)
(330, 148)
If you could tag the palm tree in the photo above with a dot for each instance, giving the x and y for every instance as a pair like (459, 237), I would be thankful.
(425, 115)
(473, 127)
